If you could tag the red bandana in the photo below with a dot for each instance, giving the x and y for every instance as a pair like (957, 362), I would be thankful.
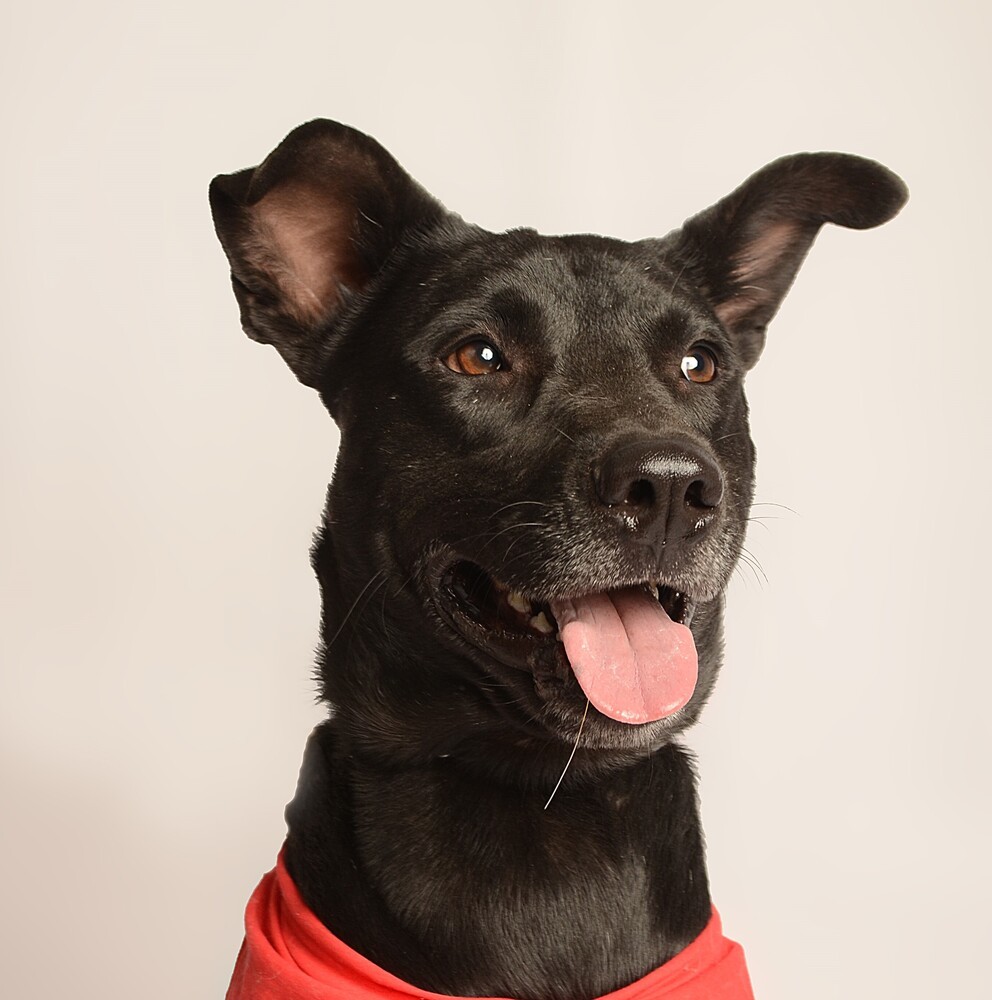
(288, 954)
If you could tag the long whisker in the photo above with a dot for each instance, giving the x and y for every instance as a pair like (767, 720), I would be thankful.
(748, 559)
(760, 520)
(518, 503)
(766, 503)
(578, 736)
(344, 621)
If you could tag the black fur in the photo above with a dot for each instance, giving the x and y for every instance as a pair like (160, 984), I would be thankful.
(418, 833)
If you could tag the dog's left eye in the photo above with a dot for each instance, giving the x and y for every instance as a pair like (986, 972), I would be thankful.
(477, 357)
(699, 364)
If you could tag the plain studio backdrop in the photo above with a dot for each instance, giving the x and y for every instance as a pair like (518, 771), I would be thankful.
(162, 474)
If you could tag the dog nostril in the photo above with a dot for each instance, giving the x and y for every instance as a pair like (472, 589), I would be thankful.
(640, 494)
(694, 493)
(701, 495)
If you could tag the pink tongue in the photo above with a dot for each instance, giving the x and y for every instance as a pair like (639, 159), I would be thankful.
(632, 661)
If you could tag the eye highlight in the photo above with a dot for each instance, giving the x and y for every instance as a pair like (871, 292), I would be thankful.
(477, 357)
(699, 364)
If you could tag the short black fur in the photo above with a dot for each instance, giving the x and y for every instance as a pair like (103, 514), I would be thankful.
(418, 833)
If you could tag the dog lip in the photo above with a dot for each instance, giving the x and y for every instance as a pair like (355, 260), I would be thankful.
(520, 625)
(491, 608)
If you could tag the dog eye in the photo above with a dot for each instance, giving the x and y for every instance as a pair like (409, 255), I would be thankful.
(699, 364)
(477, 357)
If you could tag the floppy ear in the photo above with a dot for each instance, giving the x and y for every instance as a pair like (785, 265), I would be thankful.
(308, 229)
(744, 251)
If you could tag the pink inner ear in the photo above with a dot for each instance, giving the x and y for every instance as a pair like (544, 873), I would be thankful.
(754, 273)
(304, 236)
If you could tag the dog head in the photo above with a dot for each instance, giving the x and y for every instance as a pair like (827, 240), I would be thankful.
(545, 471)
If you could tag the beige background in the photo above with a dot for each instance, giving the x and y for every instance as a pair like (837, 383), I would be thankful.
(162, 474)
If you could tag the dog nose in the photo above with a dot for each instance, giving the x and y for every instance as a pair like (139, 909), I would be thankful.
(664, 488)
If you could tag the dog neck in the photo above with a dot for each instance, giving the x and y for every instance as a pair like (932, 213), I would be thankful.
(469, 886)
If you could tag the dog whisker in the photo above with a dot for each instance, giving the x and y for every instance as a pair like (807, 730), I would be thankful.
(512, 527)
(760, 521)
(728, 437)
(510, 547)
(344, 621)
(678, 277)
(578, 737)
(517, 503)
(749, 560)
(781, 506)
(485, 538)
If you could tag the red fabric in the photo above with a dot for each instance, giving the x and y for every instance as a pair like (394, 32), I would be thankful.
(288, 954)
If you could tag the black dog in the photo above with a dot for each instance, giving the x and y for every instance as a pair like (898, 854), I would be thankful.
(542, 488)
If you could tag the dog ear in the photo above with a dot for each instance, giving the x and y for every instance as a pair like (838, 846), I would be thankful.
(744, 251)
(308, 229)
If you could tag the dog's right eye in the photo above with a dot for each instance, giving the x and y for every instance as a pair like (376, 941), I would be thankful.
(477, 357)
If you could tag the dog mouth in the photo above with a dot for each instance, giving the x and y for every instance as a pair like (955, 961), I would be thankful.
(629, 648)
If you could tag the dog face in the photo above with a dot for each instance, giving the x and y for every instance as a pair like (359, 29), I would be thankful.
(545, 470)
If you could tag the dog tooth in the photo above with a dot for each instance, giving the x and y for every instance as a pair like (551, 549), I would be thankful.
(518, 602)
(541, 623)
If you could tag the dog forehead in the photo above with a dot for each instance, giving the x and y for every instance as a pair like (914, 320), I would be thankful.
(558, 287)
(587, 271)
